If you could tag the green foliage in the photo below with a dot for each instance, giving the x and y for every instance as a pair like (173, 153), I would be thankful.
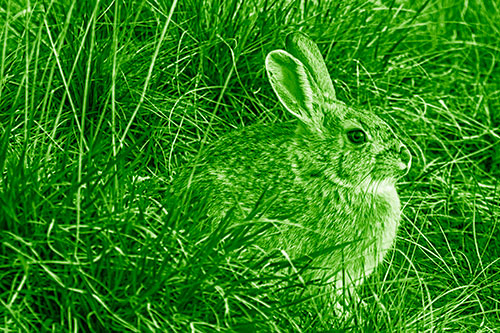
(102, 101)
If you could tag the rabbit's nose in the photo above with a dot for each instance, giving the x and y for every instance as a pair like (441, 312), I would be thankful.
(405, 156)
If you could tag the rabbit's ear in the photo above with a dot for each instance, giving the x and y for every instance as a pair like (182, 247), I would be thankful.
(307, 52)
(294, 86)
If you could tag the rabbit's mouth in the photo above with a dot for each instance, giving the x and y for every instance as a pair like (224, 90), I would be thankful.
(392, 173)
(393, 167)
(405, 161)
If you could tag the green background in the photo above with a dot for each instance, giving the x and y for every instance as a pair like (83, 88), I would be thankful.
(101, 103)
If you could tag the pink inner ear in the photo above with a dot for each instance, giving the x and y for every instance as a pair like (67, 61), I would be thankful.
(290, 82)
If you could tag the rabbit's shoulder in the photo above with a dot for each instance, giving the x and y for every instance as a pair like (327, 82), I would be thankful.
(251, 156)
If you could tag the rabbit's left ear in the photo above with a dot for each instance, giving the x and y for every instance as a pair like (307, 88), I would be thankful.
(307, 52)
(295, 87)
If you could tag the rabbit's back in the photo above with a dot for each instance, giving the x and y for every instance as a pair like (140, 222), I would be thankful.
(241, 167)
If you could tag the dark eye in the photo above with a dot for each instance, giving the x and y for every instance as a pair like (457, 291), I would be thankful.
(356, 136)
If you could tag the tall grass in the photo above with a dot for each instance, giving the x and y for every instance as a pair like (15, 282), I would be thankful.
(101, 103)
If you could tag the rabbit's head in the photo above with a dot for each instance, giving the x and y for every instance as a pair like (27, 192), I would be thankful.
(350, 147)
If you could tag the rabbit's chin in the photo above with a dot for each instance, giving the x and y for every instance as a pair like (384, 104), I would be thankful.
(369, 185)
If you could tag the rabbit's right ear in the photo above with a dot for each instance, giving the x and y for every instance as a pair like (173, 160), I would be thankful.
(294, 86)
(307, 52)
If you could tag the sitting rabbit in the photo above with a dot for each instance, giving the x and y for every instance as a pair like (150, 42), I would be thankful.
(331, 173)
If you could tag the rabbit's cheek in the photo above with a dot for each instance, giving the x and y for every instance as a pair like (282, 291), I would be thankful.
(349, 168)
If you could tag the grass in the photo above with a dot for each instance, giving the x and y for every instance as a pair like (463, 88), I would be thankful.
(101, 103)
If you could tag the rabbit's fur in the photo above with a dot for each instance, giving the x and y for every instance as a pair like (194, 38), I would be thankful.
(324, 186)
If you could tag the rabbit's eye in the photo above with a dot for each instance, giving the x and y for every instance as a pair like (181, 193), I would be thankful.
(356, 136)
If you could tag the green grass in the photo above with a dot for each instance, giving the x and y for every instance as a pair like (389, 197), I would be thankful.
(102, 102)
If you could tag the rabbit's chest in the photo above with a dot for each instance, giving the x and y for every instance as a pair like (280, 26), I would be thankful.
(383, 217)
(372, 218)
(387, 211)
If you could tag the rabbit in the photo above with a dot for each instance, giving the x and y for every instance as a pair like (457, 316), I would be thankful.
(328, 175)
